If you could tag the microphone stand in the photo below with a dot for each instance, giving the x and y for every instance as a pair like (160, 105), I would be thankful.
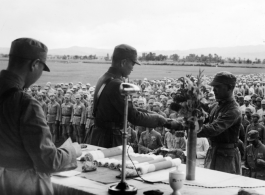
(122, 187)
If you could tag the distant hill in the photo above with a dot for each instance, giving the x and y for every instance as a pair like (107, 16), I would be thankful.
(250, 51)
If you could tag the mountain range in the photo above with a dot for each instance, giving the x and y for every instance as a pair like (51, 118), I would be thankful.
(247, 52)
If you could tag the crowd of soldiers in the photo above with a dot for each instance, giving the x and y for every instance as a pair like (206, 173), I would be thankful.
(68, 108)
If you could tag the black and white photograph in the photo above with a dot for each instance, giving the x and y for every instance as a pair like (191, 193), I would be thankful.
(132, 97)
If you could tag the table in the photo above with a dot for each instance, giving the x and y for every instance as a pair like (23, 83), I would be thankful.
(204, 177)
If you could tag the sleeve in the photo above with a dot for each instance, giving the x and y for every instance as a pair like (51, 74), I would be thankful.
(58, 112)
(37, 141)
(220, 124)
(83, 115)
(134, 116)
(72, 114)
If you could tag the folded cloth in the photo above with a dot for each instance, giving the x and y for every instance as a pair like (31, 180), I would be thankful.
(130, 166)
(158, 166)
(105, 153)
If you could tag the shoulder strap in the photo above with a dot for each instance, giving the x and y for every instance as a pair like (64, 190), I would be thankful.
(98, 95)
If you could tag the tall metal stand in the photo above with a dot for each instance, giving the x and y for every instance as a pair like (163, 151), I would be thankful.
(123, 188)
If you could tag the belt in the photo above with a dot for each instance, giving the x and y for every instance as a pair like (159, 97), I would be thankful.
(221, 145)
(67, 115)
(77, 115)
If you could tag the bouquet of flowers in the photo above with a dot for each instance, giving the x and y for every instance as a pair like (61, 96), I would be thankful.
(189, 100)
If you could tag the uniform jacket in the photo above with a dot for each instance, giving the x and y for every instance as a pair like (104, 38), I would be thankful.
(66, 113)
(223, 128)
(27, 153)
(53, 113)
(149, 141)
(78, 114)
(252, 154)
(110, 113)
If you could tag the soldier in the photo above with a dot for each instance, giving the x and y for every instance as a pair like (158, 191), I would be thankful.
(27, 155)
(88, 86)
(65, 117)
(176, 143)
(255, 156)
(53, 116)
(44, 106)
(150, 142)
(223, 127)
(109, 108)
(78, 118)
(156, 108)
(89, 117)
(256, 126)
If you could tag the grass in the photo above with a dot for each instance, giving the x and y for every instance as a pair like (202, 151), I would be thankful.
(90, 72)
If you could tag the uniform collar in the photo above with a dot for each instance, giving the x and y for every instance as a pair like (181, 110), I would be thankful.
(230, 99)
(10, 80)
(115, 71)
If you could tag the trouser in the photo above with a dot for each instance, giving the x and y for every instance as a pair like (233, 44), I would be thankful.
(67, 131)
(53, 130)
(79, 133)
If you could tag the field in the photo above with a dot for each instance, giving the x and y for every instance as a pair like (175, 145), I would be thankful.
(90, 72)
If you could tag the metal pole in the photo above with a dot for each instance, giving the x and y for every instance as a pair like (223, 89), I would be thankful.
(124, 136)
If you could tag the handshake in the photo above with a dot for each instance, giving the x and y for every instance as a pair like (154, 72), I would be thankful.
(172, 124)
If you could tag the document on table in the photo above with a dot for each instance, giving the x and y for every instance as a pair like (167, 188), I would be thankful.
(67, 173)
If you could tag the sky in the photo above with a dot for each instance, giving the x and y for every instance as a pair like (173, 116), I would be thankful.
(144, 24)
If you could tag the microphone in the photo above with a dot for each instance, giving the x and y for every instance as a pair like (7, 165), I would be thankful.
(129, 89)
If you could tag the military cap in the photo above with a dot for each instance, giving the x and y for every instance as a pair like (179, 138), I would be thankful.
(67, 95)
(124, 51)
(254, 95)
(70, 83)
(253, 135)
(88, 84)
(74, 87)
(157, 104)
(262, 102)
(59, 89)
(152, 97)
(247, 98)
(83, 87)
(258, 99)
(151, 100)
(140, 101)
(91, 89)
(29, 49)
(224, 77)
(162, 96)
(77, 95)
(46, 88)
(255, 115)
(51, 94)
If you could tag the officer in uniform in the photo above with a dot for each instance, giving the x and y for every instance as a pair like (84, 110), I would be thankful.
(65, 118)
(109, 103)
(255, 156)
(28, 156)
(53, 116)
(78, 118)
(223, 127)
